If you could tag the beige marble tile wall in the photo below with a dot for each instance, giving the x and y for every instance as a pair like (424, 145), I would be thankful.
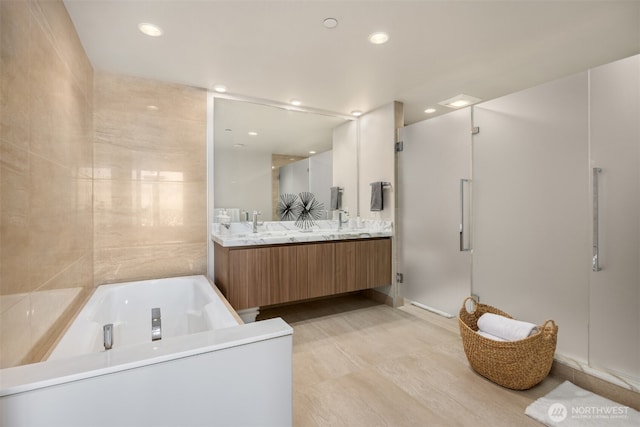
(149, 179)
(46, 155)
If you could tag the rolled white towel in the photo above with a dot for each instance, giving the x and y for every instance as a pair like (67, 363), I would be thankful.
(491, 337)
(505, 328)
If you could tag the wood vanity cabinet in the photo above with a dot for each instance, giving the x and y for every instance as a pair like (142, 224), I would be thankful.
(230, 267)
(257, 276)
(284, 271)
(362, 264)
(316, 269)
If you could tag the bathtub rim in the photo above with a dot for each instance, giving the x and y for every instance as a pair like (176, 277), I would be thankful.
(39, 375)
(68, 324)
(226, 303)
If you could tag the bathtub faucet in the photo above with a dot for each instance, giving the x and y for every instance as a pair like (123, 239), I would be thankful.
(107, 332)
(156, 324)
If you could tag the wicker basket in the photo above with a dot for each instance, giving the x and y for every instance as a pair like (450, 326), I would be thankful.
(518, 365)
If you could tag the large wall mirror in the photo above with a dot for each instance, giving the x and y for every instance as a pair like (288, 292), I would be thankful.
(261, 151)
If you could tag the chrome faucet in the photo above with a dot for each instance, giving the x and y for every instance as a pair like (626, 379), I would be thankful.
(156, 324)
(340, 220)
(107, 335)
(255, 221)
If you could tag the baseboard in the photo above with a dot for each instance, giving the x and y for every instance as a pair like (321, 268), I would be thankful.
(378, 297)
(628, 395)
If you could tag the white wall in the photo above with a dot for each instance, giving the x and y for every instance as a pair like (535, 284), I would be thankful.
(377, 158)
(242, 179)
(377, 162)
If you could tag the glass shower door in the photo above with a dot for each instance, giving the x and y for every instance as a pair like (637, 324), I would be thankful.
(614, 288)
(434, 204)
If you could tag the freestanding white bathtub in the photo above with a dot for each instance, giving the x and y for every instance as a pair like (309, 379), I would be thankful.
(208, 368)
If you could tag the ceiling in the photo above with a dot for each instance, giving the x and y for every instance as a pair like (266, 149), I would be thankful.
(279, 50)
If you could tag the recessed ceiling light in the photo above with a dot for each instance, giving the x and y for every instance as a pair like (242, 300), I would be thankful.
(220, 88)
(430, 110)
(356, 113)
(312, 152)
(295, 102)
(379, 37)
(153, 107)
(252, 133)
(238, 145)
(460, 101)
(150, 29)
(330, 23)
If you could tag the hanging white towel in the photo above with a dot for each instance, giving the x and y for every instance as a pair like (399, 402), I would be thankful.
(505, 328)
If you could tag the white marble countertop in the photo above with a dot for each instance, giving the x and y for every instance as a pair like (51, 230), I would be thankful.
(276, 232)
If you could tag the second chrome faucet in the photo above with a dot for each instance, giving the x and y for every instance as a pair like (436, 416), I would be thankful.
(343, 218)
(255, 221)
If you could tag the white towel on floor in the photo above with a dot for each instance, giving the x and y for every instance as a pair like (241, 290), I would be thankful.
(505, 328)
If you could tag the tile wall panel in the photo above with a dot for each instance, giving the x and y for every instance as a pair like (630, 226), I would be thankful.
(14, 216)
(149, 179)
(46, 190)
(14, 68)
(52, 16)
(123, 264)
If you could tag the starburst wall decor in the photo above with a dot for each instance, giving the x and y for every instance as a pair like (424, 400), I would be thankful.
(311, 210)
(304, 209)
(289, 207)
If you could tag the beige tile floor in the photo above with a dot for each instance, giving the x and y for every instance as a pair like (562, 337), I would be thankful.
(360, 363)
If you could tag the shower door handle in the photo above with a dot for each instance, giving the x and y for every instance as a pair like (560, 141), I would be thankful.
(462, 206)
(595, 260)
